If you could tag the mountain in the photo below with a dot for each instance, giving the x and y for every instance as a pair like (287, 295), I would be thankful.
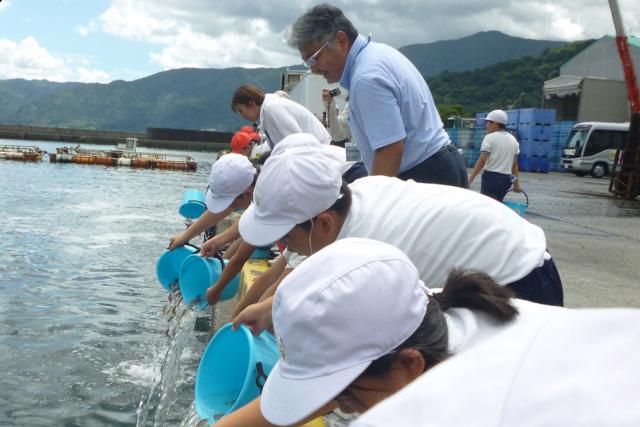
(517, 81)
(199, 98)
(183, 98)
(468, 53)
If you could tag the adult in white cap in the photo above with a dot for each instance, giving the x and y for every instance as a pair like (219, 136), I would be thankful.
(277, 116)
(355, 324)
(579, 368)
(300, 199)
(392, 115)
(231, 182)
(498, 158)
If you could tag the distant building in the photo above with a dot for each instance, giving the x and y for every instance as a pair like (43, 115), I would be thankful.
(591, 85)
(305, 88)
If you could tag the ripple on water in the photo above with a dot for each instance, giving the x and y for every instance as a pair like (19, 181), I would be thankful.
(81, 320)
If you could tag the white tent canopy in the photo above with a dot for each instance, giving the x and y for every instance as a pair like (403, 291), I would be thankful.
(562, 86)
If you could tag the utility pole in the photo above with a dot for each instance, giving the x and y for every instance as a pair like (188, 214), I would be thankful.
(625, 177)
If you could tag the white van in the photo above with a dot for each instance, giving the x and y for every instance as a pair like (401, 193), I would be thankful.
(591, 147)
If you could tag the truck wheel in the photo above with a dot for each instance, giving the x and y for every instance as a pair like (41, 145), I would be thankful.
(599, 170)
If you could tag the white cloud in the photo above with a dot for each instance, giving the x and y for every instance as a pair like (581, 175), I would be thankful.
(28, 60)
(4, 5)
(201, 33)
(85, 30)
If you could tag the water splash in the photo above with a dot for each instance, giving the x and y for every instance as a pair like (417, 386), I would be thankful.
(163, 393)
(192, 419)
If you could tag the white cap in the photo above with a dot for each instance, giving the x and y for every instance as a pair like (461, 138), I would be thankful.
(498, 116)
(578, 368)
(347, 305)
(230, 176)
(299, 181)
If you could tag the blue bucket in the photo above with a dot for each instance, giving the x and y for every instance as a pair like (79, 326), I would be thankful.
(519, 208)
(192, 205)
(260, 253)
(197, 274)
(232, 371)
(169, 264)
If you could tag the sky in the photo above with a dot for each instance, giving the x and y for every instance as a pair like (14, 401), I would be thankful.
(105, 40)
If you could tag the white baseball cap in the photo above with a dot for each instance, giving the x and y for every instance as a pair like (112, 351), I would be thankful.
(300, 180)
(345, 306)
(576, 368)
(498, 116)
(230, 176)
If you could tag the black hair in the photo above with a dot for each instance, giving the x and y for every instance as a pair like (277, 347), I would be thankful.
(341, 206)
(474, 290)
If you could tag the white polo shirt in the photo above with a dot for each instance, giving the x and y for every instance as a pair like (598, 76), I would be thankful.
(440, 227)
(575, 368)
(281, 117)
(502, 148)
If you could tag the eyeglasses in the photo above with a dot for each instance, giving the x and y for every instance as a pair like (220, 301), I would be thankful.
(311, 61)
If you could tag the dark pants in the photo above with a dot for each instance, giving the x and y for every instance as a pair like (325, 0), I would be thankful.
(357, 170)
(542, 285)
(495, 185)
(445, 167)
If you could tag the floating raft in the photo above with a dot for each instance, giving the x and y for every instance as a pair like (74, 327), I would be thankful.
(21, 152)
(121, 158)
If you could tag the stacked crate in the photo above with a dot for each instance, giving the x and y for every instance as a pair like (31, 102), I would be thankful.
(535, 134)
(559, 137)
(465, 139)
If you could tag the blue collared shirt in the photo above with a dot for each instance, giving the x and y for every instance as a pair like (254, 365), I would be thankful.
(389, 101)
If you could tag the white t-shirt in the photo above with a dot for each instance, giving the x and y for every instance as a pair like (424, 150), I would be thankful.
(440, 227)
(571, 368)
(281, 117)
(502, 148)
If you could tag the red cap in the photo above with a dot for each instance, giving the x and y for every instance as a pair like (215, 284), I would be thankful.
(239, 141)
(252, 134)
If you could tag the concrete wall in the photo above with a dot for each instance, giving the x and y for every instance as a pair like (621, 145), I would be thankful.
(603, 101)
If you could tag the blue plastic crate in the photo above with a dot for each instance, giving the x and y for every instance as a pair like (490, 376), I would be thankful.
(527, 147)
(525, 163)
(535, 132)
(535, 116)
(513, 119)
(480, 122)
(542, 164)
(543, 148)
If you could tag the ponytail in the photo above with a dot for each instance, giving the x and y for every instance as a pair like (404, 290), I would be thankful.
(478, 292)
(464, 289)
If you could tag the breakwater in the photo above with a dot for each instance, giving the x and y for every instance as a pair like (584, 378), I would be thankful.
(219, 140)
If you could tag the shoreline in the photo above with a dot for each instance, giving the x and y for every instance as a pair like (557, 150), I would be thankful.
(88, 136)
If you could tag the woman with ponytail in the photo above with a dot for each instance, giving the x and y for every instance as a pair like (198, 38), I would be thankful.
(355, 324)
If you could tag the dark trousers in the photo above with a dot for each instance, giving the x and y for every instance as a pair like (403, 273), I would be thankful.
(445, 167)
(356, 171)
(495, 185)
(541, 285)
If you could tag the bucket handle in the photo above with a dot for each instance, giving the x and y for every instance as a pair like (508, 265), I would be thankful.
(197, 201)
(525, 195)
(261, 375)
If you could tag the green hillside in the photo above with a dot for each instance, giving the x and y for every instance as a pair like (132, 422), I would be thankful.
(183, 98)
(468, 53)
(518, 81)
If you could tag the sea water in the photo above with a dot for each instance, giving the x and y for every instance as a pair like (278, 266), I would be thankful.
(83, 327)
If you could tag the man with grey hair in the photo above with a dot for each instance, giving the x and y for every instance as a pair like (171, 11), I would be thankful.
(391, 112)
